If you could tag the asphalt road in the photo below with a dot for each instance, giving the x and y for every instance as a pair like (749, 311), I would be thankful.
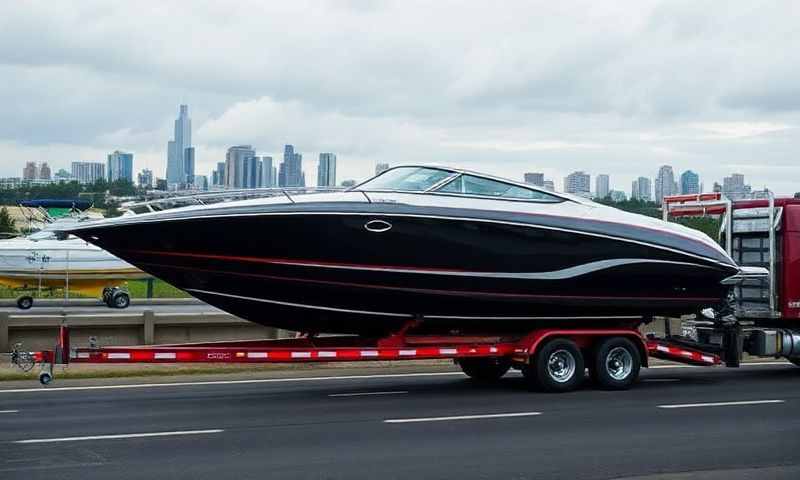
(426, 426)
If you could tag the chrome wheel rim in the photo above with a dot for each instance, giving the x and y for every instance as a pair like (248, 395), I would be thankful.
(561, 366)
(619, 363)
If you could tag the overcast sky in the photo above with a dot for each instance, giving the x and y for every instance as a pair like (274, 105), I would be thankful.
(502, 87)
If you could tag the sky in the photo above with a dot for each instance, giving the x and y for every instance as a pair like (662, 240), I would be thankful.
(501, 87)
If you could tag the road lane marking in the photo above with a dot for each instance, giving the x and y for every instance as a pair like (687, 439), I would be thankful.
(296, 379)
(461, 417)
(120, 436)
(721, 404)
(359, 394)
(9, 411)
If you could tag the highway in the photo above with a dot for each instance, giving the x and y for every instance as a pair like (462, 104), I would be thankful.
(678, 423)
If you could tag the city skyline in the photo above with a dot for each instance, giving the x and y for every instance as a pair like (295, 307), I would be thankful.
(624, 92)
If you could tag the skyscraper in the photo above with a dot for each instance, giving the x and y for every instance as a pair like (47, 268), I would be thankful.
(690, 182)
(601, 186)
(188, 166)
(176, 148)
(30, 172)
(641, 189)
(665, 183)
(88, 172)
(120, 166)
(291, 170)
(235, 165)
(549, 185)
(145, 178)
(734, 187)
(252, 172)
(326, 172)
(44, 171)
(268, 175)
(578, 183)
(381, 167)
(536, 179)
(218, 175)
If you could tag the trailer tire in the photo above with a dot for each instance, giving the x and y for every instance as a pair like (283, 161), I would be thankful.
(484, 370)
(615, 364)
(796, 361)
(557, 367)
(25, 303)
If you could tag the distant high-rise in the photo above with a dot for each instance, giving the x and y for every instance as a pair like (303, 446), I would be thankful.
(601, 186)
(120, 166)
(31, 171)
(188, 166)
(734, 187)
(326, 172)
(549, 185)
(145, 178)
(235, 165)
(381, 167)
(690, 182)
(88, 172)
(534, 178)
(176, 148)
(291, 173)
(200, 182)
(218, 175)
(641, 189)
(44, 172)
(268, 175)
(578, 183)
(253, 172)
(665, 183)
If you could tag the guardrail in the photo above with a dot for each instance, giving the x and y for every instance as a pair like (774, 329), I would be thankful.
(144, 328)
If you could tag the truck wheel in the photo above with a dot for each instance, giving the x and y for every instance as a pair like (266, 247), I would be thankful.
(24, 303)
(615, 364)
(484, 370)
(120, 300)
(557, 367)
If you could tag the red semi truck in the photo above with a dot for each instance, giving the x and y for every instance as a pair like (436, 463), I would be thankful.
(763, 321)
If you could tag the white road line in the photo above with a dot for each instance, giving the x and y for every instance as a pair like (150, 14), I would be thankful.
(9, 411)
(229, 382)
(462, 417)
(297, 379)
(120, 436)
(720, 404)
(359, 394)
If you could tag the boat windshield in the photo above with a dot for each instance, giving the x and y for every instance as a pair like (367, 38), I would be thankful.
(486, 187)
(413, 179)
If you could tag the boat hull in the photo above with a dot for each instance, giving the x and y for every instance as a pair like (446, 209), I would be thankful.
(370, 269)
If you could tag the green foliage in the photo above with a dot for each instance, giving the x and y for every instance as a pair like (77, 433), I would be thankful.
(6, 222)
(708, 225)
(96, 192)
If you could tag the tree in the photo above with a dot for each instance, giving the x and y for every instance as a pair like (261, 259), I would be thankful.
(797, 195)
(6, 222)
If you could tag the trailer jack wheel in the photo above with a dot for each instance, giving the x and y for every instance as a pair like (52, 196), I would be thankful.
(46, 375)
(557, 366)
(615, 364)
(484, 370)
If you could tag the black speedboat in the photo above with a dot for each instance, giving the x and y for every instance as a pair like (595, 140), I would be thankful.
(460, 249)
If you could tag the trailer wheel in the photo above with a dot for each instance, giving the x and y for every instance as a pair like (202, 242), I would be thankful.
(24, 303)
(615, 364)
(557, 367)
(796, 361)
(45, 378)
(120, 300)
(484, 370)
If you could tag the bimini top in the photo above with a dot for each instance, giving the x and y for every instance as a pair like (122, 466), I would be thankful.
(450, 181)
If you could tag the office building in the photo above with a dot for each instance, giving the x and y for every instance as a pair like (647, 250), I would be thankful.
(120, 166)
(601, 186)
(690, 183)
(381, 167)
(665, 183)
(326, 172)
(269, 176)
(578, 183)
(641, 189)
(534, 178)
(734, 187)
(31, 171)
(176, 148)
(44, 172)
(252, 172)
(188, 166)
(88, 172)
(235, 165)
(291, 173)
(218, 175)
(145, 179)
(549, 185)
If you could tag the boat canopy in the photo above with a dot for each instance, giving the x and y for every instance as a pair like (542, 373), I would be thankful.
(452, 182)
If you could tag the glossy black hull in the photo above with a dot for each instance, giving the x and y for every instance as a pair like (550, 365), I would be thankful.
(323, 271)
